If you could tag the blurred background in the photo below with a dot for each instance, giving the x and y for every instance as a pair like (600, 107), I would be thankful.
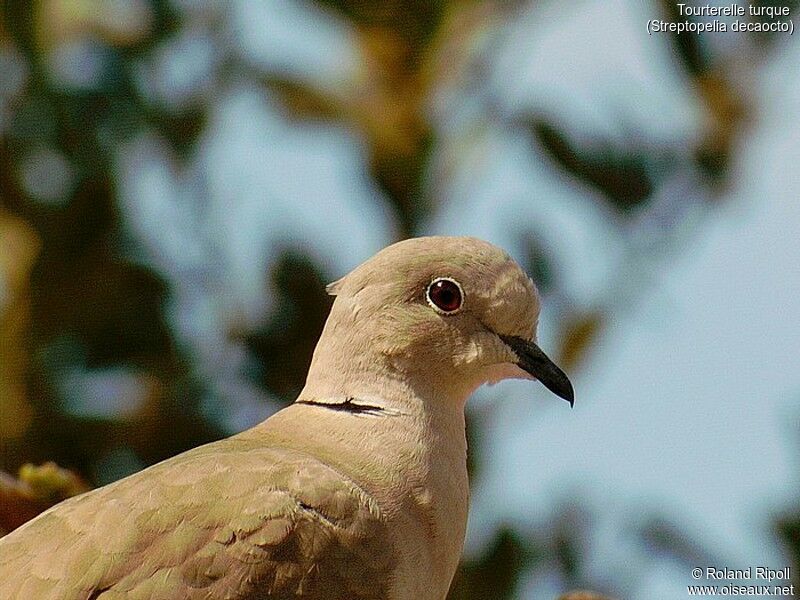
(178, 181)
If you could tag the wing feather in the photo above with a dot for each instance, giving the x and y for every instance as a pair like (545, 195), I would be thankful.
(230, 520)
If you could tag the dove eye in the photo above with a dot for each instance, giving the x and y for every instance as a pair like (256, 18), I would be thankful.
(445, 295)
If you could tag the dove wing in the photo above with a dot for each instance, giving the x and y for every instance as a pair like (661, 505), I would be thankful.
(232, 520)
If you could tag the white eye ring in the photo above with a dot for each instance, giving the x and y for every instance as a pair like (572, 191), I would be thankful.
(443, 293)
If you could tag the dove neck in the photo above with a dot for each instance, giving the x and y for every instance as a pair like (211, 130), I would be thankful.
(373, 353)
(406, 447)
(403, 420)
(370, 378)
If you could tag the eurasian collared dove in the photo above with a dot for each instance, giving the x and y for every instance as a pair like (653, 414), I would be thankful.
(358, 490)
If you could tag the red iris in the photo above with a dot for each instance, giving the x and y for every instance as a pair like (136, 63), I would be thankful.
(445, 294)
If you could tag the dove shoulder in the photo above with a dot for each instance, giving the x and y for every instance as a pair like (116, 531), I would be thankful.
(233, 519)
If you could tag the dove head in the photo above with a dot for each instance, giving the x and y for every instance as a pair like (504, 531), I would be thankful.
(442, 315)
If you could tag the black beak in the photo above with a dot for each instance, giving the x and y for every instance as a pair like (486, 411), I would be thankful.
(531, 359)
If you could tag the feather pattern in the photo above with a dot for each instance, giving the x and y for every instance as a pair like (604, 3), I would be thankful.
(232, 519)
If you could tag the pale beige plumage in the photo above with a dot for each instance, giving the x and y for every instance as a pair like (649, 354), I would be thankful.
(356, 491)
